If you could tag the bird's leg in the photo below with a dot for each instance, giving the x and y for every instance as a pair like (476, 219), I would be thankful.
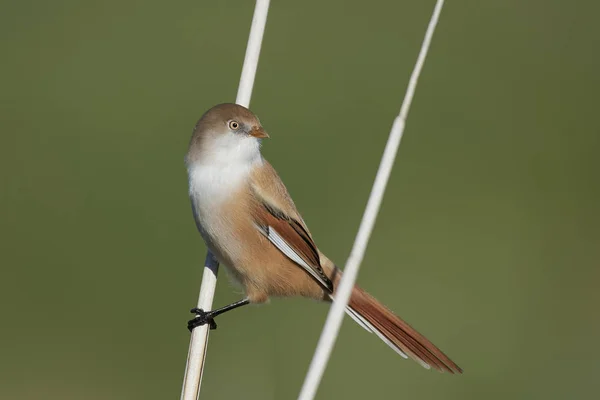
(207, 317)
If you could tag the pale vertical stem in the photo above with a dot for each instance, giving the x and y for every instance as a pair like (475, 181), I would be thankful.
(194, 368)
(259, 21)
(344, 290)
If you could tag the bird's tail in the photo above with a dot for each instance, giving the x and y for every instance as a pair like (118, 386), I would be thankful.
(406, 341)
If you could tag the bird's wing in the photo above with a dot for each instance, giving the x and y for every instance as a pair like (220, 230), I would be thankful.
(277, 218)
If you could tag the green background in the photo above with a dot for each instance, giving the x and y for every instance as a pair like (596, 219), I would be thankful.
(487, 241)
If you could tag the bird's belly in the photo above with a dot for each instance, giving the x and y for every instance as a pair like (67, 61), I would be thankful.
(220, 230)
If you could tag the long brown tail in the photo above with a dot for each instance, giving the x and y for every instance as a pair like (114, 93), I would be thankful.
(396, 333)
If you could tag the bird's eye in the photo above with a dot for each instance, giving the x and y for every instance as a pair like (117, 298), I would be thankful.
(234, 125)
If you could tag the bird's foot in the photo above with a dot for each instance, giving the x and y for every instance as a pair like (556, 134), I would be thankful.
(202, 318)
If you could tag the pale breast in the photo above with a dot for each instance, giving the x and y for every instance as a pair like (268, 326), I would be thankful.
(214, 191)
(222, 170)
(213, 186)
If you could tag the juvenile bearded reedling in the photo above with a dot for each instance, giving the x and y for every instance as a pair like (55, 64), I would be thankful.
(250, 223)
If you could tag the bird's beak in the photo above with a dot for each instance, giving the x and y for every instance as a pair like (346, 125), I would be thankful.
(258, 132)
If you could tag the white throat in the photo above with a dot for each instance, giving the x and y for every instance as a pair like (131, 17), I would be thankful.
(225, 164)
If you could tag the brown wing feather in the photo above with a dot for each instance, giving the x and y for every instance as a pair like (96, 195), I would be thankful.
(282, 224)
(276, 210)
(294, 234)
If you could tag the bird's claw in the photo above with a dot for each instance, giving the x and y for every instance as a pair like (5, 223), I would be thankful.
(202, 318)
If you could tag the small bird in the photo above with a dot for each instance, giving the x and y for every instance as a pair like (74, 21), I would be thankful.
(251, 225)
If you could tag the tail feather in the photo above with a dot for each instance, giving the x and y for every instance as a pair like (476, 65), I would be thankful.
(398, 334)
